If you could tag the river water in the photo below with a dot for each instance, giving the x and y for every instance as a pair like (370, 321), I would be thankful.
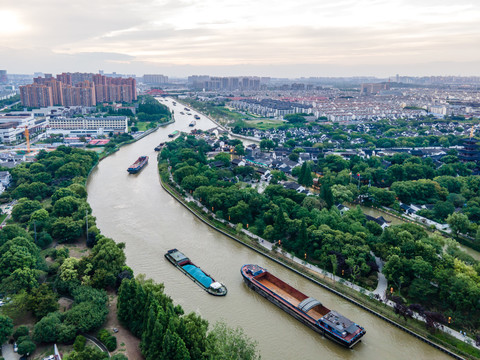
(134, 209)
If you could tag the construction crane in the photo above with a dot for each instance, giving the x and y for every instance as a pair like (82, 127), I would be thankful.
(27, 137)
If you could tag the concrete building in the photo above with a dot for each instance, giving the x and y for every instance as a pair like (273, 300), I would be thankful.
(88, 125)
(3, 77)
(77, 89)
(375, 88)
(155, 79)
(12, 126)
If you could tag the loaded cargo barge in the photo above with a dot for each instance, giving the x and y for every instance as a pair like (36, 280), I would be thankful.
(138, 165)
(202, 279)
(307, 310)
(173, 134)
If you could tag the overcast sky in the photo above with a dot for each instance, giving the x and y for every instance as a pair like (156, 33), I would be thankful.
(250, 37)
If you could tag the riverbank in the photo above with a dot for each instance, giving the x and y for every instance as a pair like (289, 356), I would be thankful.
(339, 287)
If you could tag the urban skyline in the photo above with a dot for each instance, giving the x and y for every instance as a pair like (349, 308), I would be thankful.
(342, 38)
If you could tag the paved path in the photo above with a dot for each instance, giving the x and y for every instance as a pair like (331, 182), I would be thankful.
(8, 354)
(382, 281)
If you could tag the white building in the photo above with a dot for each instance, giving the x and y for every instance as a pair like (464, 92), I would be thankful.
(12, 127)
(88, 125)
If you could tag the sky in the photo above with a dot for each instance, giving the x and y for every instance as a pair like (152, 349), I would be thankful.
(251, 37)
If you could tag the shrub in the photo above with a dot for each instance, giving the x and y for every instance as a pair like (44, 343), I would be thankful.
(21, 331)
(79, 343)
(107, 339)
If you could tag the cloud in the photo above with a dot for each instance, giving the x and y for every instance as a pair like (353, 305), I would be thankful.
(207, 34)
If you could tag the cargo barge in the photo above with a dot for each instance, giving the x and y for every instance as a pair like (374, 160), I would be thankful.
(159, 146)
(138, 165)
(307, 310)
(202, 279)
(173, 134)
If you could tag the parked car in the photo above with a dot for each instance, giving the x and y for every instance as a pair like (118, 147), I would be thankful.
(15, 347)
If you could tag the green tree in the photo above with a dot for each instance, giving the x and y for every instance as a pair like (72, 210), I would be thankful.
(327, 195)
(239, 212)
(24, 208)
(21, 279)
(442, 209)
(459, 223)
(22, 330)
(230, 344)
(86, 316)
(79, 343)
(45, 331)
(66, 229)
(26, 347)
(173, 347)
(239, 149)
(42, 301)
(267, 144)
(6, 327)
(89, 353)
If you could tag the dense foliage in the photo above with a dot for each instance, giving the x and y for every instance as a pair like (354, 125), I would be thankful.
(150, 109)
(422, 268)
(168, 334)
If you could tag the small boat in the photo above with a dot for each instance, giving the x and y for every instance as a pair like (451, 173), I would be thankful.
(202, 279)
(138, 165)
(196, 117)
(173, 134)
(186, 109)
(159, 146)
(193, 123)
(307, 310)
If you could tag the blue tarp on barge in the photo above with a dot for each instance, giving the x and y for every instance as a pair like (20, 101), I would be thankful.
(198, 274)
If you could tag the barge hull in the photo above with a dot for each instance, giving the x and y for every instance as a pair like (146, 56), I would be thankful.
(297, 316)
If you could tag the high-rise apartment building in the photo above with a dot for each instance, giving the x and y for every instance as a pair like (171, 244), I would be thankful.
(225, 83)
(36, 95)
(155, 79)
(78, 89)
(3, 77)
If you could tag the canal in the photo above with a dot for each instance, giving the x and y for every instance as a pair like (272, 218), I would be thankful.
(134, 209)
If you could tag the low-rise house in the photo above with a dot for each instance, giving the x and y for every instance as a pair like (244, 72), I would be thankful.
(238, 162)
(342, 208)
(380, 220)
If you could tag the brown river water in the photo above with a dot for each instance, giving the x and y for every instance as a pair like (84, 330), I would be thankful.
(134, 209)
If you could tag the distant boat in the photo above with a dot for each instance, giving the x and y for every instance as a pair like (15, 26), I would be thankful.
(138, 165)
(192, 123)
(159, 146)
(196, 117)
(173, 134)
(202, 279)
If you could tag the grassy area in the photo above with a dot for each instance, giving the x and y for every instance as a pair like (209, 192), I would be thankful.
(2, 217)
(219, 113)
(142, 125)
(264, 124)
